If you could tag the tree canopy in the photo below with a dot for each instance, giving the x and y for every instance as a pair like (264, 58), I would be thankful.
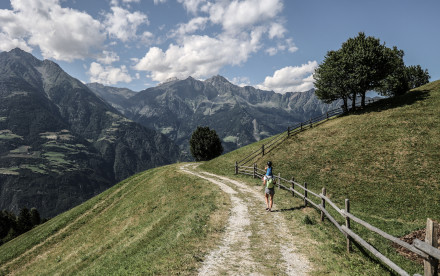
(362, 64)
(205, 144)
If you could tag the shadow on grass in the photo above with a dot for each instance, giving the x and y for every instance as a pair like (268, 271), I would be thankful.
(372, 258)
(389, 103)
(289, 209)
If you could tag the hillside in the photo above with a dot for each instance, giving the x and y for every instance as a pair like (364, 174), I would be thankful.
(59, 143)
(147, 224)
(384, 159)
(240, 115)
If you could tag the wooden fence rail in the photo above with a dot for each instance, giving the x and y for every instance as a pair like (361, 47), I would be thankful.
(427, 250)
(292, 130)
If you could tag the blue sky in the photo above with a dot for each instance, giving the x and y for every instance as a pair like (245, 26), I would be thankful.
(270, 44)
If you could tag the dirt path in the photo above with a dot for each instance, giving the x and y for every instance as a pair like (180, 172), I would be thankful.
(255, 242)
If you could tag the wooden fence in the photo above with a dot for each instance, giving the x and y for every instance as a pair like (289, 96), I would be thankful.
(427, 250)
(293, 130)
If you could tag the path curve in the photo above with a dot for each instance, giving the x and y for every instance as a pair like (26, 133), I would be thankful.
(255, 242)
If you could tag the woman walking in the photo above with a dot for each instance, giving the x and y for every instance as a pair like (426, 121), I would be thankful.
(269, 183)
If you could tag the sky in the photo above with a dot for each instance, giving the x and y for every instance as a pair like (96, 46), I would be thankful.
(269, 44)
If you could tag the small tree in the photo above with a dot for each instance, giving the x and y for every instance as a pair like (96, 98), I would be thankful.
(35, 217)
(24, 222)
(396, 83)
(205, 144)
(417, 76)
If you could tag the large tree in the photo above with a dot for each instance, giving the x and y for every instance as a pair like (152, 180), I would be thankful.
(330, 82)
(362, 63)
(205, 144)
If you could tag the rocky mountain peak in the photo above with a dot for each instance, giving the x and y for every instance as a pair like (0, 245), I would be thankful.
(215, 80)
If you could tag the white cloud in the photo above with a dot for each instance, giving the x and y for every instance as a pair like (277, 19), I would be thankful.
(198, 56)
(159, 1)
(60, 33)
(195, 24)
(123, 24)
(241, 81)
(108, 75)
(108, 57)
(291, 79)
(7, 43)
(291, 47)
(272, 51)
(190, 5)
(238, 15)
(243, 24)
(276, 30)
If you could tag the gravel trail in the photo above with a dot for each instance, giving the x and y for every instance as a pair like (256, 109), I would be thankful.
(255, 242)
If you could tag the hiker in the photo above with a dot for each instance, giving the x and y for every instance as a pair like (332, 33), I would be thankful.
(269, 184)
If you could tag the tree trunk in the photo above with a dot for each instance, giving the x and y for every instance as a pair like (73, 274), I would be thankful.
(353, 102)
(363, 99)
(345, 103)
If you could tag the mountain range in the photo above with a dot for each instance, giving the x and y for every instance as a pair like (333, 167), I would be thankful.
(60, 144)
(239, 115)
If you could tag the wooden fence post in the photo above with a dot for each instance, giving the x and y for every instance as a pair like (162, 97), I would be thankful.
(327, 115)
(262, 149)
(347, 223)
(255, 170)
(323, 203)
(301, 126)
(288, 131)
(431, 238)
(311, 122)
(236, 167)
(305, 194)
(293, 186)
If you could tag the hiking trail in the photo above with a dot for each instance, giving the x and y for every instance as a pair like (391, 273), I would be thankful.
(255, 242)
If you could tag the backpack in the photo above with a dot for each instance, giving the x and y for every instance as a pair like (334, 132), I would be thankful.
(270, 183)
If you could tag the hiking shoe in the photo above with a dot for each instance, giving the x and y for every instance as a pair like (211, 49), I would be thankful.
(267, 209)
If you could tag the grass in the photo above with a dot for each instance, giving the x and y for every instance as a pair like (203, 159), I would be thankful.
(157, 222)
(384, 159)
(8, 135)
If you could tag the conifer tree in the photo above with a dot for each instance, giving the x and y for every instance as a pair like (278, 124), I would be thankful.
(205, 144)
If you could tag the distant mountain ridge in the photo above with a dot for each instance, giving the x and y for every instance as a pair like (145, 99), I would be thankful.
(60, 144)
(240, 115)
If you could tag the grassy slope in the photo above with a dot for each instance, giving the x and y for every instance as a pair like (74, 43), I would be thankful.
(385, 159)
(157, 222)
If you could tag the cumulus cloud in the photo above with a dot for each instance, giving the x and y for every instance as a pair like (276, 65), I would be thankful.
(108, 57)
(60, 33)
(108, 75)
(276, 30)
(195, 24)
(122, 24)
(238, 15)
(159, 1)
(190, 5)
(243, 25)
(241, 81)
(291, 79)
(198, 56)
